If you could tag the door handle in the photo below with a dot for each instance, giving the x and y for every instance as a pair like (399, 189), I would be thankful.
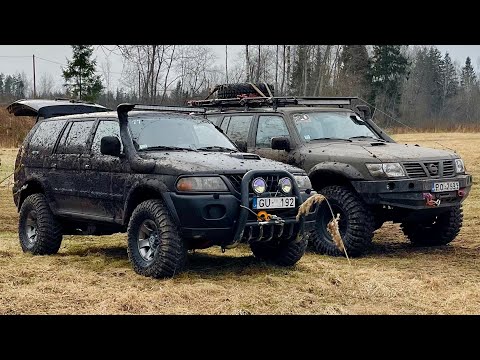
(35, 152)
(87, 166)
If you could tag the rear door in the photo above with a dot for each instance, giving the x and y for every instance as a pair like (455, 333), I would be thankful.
(68, 169)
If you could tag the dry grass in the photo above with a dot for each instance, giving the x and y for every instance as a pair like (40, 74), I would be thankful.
(92, 275)
(13, 129)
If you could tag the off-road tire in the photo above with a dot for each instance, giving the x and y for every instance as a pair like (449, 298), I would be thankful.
(438, 230)
(229, 91)
(48, 230)
(170, 255)
(357, 223)
(283, 253)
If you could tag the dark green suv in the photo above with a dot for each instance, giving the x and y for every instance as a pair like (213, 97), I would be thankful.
(166, 176)
(367, 176)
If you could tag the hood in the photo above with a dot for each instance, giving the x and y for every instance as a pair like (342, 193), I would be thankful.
(189, 162)
(385, 152)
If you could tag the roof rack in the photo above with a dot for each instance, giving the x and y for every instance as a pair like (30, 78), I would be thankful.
(140, 107)
(274, 101)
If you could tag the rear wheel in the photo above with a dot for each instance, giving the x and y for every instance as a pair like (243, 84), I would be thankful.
(155, 247)
(437, 230)
(356, 223)
(38, 229)
(280, 252)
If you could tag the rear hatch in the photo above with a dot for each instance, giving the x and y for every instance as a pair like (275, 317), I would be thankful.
(44, 108)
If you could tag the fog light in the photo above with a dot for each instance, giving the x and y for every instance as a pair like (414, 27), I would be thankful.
(259, 185)
(285, 185)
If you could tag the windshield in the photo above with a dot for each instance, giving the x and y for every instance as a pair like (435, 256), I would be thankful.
(176, 132)
(333, 125)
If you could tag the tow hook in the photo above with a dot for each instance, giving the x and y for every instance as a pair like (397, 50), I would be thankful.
(429, 200)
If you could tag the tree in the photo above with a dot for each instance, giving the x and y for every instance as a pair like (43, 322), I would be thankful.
(354, 71)
(450, 79)
(389, 66)
(468, 77)
(79, 75)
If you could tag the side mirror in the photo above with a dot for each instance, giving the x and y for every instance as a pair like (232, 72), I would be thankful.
(365, 110)
(280, 143)
(110, 145)
(241, 145)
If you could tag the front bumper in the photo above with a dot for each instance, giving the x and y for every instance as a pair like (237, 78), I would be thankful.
(221, 220)
(412, 193)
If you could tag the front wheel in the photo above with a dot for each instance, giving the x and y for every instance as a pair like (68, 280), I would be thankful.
(155, 247)
(280, 253)
(436, 230)
(356, 223)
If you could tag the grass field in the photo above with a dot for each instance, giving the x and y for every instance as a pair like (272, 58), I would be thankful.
(92, 275)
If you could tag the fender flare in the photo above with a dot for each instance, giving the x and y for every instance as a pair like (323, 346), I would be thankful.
(342, 169)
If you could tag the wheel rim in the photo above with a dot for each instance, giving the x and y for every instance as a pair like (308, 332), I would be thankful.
(325, 216)
(148, 240)
(31, 227)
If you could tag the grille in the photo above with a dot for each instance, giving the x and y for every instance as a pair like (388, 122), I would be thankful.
(431, 168)
(414, 170)
(271, 180)
(448, 168)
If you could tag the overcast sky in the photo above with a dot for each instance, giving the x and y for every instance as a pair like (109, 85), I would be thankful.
(18, 58)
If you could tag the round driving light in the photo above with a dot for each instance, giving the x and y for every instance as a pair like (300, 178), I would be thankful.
(285, 185)
(259, 185)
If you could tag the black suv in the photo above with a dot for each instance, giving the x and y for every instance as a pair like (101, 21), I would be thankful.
(366, 175)
(165, 175)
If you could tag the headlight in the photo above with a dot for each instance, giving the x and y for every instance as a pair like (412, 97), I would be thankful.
(303, 182)
(205, 183)
(390, 170)
(259, 185)
(285, 184)
(459, 166)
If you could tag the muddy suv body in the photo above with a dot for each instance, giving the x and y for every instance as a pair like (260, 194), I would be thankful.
(168, 178)
(368, 177)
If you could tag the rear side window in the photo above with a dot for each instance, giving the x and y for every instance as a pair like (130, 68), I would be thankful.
(105, 128)
(239, 127)
(46, 136)
(216, 119)
(76, 140)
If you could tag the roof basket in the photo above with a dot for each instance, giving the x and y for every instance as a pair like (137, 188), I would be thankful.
(274, 102)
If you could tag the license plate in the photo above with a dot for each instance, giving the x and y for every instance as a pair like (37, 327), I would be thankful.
(446, 186)
(274, 203)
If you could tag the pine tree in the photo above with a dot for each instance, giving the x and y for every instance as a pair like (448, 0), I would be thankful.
(450, 80)
(80, 78)
(354, 77)
(468, 77)
(388, 70)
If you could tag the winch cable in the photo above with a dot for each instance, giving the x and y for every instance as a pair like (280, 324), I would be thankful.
(401, 123)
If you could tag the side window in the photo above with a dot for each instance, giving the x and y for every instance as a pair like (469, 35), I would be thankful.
(215, 119)
(239, 127)
(270, 126)
(105, 128)
(225, 123)
(46, 136)
(76, 139)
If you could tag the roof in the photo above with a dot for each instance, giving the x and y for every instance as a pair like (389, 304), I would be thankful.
(114, 115)
(48, 108)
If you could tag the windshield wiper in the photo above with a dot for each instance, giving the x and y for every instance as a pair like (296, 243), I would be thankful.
(216, 148)
(162, 147)
(331, 138)
(367, 137)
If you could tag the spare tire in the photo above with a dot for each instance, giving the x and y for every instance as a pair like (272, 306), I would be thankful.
(227, 91)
